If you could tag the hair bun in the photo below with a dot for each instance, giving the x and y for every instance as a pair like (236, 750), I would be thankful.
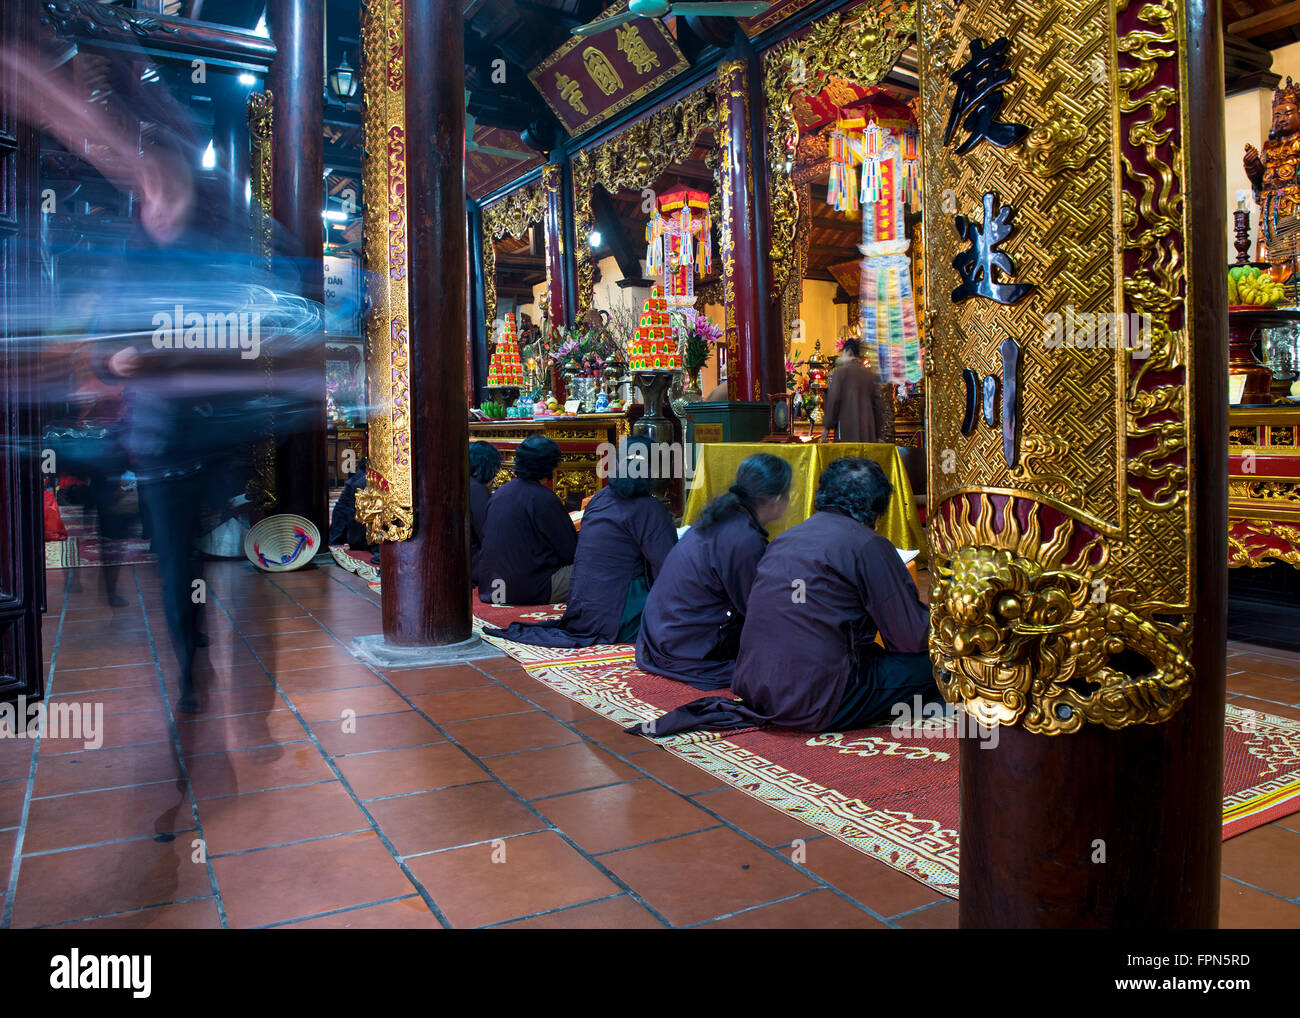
(740, 493)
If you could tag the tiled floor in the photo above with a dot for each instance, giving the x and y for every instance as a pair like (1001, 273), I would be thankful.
(317, 792)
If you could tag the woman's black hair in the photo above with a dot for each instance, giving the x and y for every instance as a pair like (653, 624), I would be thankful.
(852, 347)
(536, 458)
(856, 487)
(758, 478)
(484, 461)
(629, 481)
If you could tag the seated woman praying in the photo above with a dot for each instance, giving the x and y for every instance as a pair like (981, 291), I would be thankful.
(484, 462)
(691, 627)
(808, 658)
(626, 535)
(528, 539)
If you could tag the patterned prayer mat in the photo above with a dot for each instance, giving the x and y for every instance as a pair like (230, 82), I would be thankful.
(895, 798)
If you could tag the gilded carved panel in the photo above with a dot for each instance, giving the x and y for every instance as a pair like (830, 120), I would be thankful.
(512, 215)
(1059, 388)
(260, 114)
(384, 506)
(634, 160)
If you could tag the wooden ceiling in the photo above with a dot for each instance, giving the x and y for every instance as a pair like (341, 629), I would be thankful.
(1266, 23)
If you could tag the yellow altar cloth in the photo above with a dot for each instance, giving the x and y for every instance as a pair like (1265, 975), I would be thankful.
(715, 470)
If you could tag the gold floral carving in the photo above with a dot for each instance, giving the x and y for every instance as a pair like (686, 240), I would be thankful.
(1253, 543)
(384, 506)
(860, 46)
(633, 160)
(1075, 606)
(260, 112)
(513, 215)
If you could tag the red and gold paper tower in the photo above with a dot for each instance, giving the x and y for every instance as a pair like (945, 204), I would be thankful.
(505, 371)
(655, 345)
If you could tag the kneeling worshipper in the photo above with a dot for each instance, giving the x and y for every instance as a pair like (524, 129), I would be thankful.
(808, 658)
(528, 538)
(626, 535)
(484, 462)
(693, 617)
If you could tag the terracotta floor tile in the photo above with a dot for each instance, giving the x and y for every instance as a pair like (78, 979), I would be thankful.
(611, 736)
(1267, 857)
(106, 768)
(88, 882)
(256, 769)
(7, 841)
(535, 873)
(222, 701)
(821, 910)
(559, 705)
(11, 803)
(621, 913)
(186, 915)
(71, 657)
(382, 731)
(1265, 707)
(278, 660)
(509, 734)
(319, 680)
(293, 881)
(1265, 687)
(288, 622)
(517, 678)
(464, 815)
(15, 759)
(1244, 908)
(88, 818)
(362, 701)
(675, 772)
(939, 917)
(83, 679)
(769, 825)
(618, 816)
(406, 914)
(466, 704)
(559, 769)
(239, 731)
(497, 664)
(1284, 667)
(255, 820)
(400, 771)
(126, 700)
(881, 888)
(119, 730)
(415, 681)
(271, 642)
(728, 873)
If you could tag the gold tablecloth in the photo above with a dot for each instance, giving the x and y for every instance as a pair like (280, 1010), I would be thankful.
(715, 470)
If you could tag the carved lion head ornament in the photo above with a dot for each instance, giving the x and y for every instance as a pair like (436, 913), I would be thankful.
(1025, 631)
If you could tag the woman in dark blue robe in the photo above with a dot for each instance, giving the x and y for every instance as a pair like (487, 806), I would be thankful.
(528, 538)
(626, 535)
(484, 462)
(690, 630)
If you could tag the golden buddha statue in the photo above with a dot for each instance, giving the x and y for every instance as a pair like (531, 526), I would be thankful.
(1277, 188)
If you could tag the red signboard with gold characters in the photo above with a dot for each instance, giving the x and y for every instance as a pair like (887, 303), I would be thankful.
(590, 79)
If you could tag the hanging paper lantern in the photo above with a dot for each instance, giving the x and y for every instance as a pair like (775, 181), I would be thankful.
(871, 139)
(679, 242)
(911, 150)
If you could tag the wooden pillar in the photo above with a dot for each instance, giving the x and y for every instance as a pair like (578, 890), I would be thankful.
(426, 589)
(1079, 541)
(746, 378)
(478, 330)
(557, 273)
(297, 82)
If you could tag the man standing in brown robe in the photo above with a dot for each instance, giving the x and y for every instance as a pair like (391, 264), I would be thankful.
(853, 402)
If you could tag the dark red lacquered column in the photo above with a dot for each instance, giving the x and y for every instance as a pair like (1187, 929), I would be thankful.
(745, 379)
(426, 588)
(556, 270)
(296, 80)
(1039, 813)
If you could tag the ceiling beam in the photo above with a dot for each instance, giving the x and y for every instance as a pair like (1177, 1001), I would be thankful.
(1267, 22)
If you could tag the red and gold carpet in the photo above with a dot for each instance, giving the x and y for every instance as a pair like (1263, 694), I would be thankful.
(893, 797)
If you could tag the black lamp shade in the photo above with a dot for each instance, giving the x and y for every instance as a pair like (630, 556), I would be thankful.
(343, 80)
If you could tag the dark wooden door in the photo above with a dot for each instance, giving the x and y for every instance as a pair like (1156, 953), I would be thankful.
(22, 556)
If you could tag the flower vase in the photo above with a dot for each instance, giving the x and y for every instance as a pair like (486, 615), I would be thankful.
(692, 392)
